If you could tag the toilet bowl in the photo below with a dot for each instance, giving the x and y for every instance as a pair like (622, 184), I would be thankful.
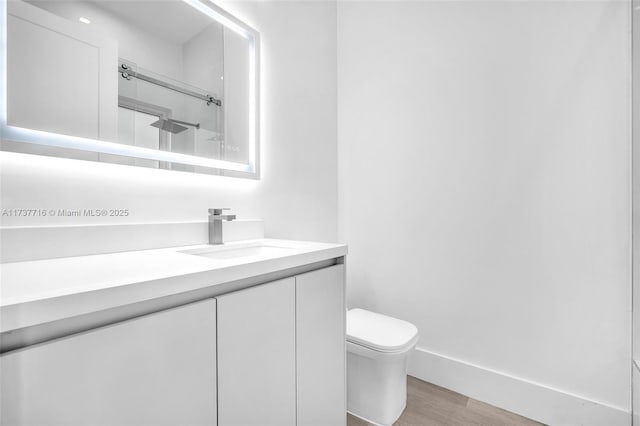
(378, 349)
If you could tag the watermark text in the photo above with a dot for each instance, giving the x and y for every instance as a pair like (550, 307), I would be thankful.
(99, 212)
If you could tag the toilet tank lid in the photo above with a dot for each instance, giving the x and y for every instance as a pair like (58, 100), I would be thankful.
(379, 332)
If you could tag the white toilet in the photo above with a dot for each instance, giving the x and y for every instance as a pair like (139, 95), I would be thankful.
(378, 349)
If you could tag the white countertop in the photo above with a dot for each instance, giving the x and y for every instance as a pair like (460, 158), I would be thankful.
(36, 292)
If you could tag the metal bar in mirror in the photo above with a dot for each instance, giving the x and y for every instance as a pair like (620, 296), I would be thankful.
(127, 73)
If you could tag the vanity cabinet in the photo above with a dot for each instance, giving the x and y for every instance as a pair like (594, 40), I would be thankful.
(321, 347)
(268, 355)
(158, 369)
(257, 356)
(281, 352)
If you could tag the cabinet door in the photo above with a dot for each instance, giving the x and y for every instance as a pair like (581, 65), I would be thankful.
(321, 347)
(256, 356)
(158, 369)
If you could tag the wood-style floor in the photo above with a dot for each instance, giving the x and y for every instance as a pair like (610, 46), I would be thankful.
(431, 405)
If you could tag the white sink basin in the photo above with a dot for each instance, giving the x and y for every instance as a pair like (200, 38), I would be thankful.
(234, 252)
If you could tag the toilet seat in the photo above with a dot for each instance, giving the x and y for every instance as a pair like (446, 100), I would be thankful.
(380, 333)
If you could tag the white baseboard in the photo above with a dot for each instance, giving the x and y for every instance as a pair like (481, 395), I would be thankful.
(532, 400)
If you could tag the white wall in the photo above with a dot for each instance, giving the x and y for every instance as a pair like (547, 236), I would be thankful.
(636, 210)
(484, 192)
(297, 196)
(636, 185)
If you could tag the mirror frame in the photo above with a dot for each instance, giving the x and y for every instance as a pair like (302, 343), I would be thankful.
(18, 139)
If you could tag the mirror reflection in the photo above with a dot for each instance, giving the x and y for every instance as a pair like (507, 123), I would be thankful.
(151, 74)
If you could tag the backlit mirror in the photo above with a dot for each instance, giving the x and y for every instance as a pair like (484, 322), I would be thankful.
(169, 84)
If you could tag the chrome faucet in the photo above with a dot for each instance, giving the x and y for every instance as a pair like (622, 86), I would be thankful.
(215, 224)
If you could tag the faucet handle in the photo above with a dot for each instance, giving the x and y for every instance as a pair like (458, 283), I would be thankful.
(218, 211)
